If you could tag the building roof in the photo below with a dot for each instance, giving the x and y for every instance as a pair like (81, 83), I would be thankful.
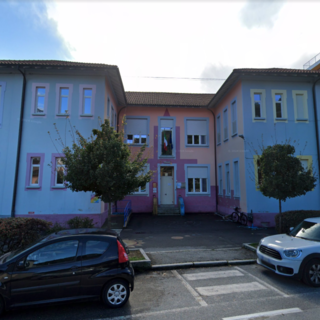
(168, 99)
(112, 72)
(236, 74)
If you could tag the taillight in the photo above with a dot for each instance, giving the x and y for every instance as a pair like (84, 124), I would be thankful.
(123, 257)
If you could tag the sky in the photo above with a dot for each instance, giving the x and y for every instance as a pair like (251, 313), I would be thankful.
(164, 46)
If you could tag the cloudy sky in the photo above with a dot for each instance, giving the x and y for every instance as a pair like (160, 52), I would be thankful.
(164, 45)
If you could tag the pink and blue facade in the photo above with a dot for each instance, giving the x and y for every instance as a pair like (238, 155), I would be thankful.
(200, 146)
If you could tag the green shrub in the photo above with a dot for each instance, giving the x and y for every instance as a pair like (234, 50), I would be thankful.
(20, 232)
(293, 218)
(78, 222)
(56, 228)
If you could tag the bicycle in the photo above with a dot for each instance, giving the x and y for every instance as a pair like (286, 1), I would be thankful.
(238, 216)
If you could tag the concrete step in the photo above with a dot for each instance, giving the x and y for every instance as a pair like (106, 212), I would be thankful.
(168, 209)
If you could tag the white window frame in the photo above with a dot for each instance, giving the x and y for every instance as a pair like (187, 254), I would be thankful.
(208, 192)
(36, 100)
(236, 179)
(218, 129)
(262, 93)
(205, 122)
(284, 113)
(60, 86)
(137, 135)
(225, 124)
(220, 177)
(84, 99)
(145, 193)
(82, 88)
(56, 173)
(228, 180)
(304, 93)
(234, 122)
(31, 172)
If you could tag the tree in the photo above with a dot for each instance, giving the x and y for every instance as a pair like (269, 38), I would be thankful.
(104, 165)
(282, 174)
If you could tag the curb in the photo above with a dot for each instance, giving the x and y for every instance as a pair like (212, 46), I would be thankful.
(202, 264)
(141, 264)
(248, 247)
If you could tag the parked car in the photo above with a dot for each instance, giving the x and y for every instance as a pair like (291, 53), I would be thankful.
(296, 254)
(68, 265)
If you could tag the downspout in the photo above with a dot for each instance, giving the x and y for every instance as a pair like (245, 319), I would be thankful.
(119, 118)
(316, 120)
(215, 158)
(13, 206)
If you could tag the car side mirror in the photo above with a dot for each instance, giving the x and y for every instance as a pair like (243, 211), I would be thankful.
(21, 265)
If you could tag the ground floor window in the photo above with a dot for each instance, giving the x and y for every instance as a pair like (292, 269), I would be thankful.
(197, 179)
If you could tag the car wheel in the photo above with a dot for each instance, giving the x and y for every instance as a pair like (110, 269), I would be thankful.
(235, 217)
(116, 293)
(311, 275)
(244, 220)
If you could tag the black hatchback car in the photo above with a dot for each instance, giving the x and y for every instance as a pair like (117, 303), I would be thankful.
(68, 265)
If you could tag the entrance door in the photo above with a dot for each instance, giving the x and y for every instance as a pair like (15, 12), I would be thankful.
(166, 185)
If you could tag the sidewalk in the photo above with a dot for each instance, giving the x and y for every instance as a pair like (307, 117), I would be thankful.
(191, 239)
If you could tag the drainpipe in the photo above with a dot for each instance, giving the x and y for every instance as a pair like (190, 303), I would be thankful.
(119, 118)
(215, 158)
(18, 145)
(316, 120)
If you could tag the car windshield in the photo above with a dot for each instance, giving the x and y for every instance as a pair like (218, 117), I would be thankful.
(307, 230)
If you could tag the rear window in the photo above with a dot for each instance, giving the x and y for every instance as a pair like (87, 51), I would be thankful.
(94, 249)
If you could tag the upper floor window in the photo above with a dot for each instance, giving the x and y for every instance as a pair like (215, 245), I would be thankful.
(300, 105)
(137, 130)
(258, 105)
(87, 101)
(64, 100)
(234, 118)
(197, 132)
(40, 100)
(166, 137)
(279, 105)
(218, 129)
(225, 124)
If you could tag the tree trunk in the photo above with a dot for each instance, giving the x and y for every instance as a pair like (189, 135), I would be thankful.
(280, 214)
(109, 216)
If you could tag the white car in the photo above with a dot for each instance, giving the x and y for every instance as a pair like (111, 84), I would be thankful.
(296, 255)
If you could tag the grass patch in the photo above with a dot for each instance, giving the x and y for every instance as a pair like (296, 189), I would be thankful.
(136, 255)
(255, 245)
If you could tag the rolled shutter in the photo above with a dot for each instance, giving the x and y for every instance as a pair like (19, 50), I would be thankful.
(137, 126)
(197, 172)
(196, 127)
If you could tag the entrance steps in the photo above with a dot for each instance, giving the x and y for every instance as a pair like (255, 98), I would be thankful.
(168, 210)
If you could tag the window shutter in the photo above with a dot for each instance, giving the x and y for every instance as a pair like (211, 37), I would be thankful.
(196, 127)
(197, 172)
(137, 126)
(166, 123)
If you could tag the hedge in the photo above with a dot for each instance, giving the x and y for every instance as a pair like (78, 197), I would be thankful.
(293, 218)
(20, 232)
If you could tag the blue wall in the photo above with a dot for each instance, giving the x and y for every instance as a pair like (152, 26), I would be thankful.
(37, 140)
(270, 132)
(8, 138)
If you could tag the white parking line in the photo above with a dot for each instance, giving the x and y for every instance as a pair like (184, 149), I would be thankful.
(190, 289)
(230, 288)
(264, 314)
(186, 250)
(212, 275)
(262, 282)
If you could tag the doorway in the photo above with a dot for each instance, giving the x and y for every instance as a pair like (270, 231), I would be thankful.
(166, 185)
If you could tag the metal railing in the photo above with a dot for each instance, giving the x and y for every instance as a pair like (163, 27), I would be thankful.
(312, 61)
(123, 207)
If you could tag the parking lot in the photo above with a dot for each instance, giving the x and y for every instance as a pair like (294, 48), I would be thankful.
(204, 293)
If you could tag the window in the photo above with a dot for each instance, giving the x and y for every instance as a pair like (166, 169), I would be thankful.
(225, 124)
(228, 188)
(166, 147)
(87, 100)
(63, 101)
(137, 130)
(306, 162)
(279, 105)
(56, 253)
(197, 178)
(236, 178)
(218, 129)
(34, 170)
(258, 105)
(234, 118)
(40, 100)
(60, 172)
(220, 180)
(143, 190)
(196, 132)
(300, 103)
(94, 249)
(2, 90)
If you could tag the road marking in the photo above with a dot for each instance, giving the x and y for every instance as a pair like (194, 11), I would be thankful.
(212, 275)
(185, 250)
(262, 282)
(230, 288)
(264, 314)
(190, 289)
